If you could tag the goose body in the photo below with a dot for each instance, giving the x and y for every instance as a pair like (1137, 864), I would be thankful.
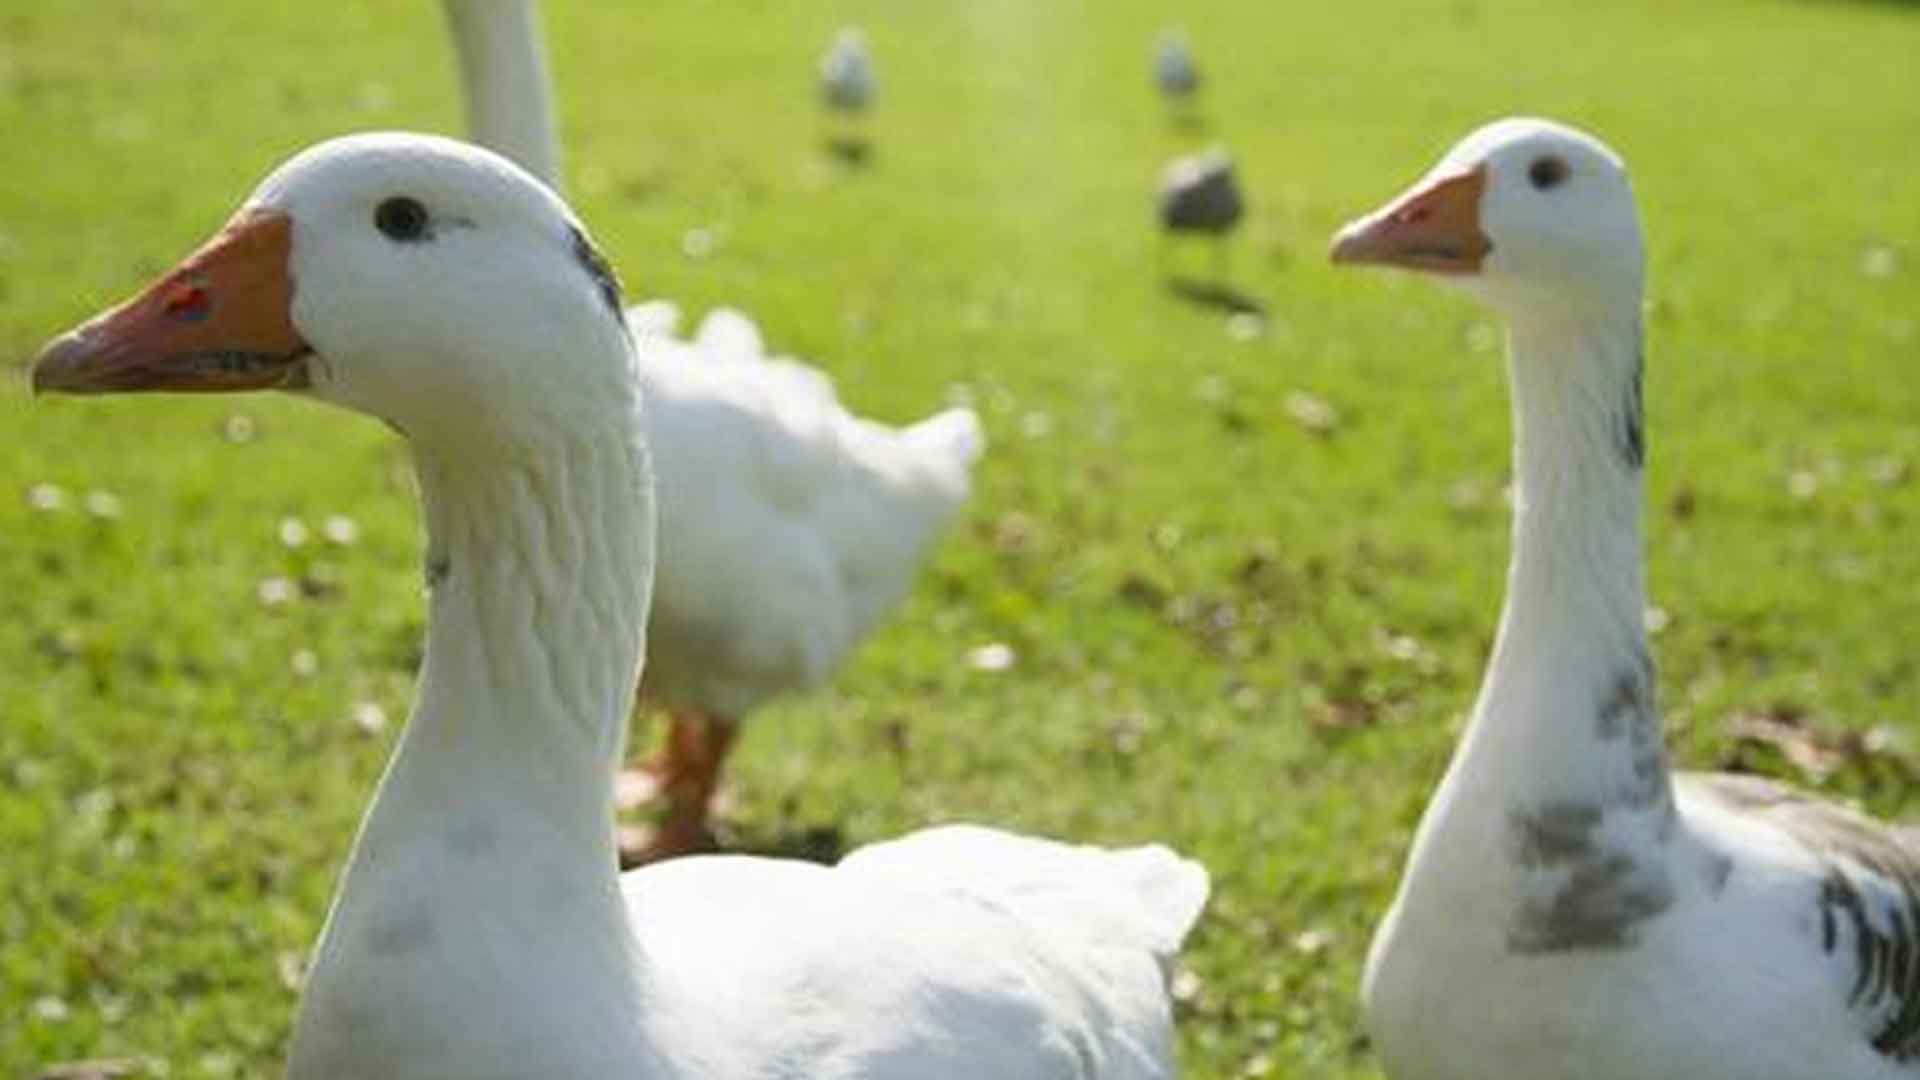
(789, 525)
(480, 929)
(1612, 920)
(822, 520)
(1174, 69)
(1200, 193)
(847, 81)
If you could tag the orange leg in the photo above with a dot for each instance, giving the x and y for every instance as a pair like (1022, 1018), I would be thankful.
(685, 772)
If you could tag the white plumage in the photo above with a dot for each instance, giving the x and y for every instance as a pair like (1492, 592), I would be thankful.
(789, 525)
(1571, 910)
(480, 930)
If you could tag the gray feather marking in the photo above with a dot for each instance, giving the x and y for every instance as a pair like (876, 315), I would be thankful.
(1869, 894)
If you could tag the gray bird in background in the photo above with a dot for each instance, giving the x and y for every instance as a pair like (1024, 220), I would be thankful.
(1178, 77)
(1173, 67)
(1200, 194)
(847, 83)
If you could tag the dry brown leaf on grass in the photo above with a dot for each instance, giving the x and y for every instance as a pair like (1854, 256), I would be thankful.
(1816, 753)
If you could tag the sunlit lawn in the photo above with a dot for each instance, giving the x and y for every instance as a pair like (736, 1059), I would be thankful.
(1248, 571)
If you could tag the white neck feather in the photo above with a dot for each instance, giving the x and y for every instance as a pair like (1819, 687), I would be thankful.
(504, 76)
(1566, 715)
(480, 918)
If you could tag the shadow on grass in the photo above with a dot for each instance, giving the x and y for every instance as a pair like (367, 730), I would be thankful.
(1187, 120)
(814, 843)
(811, 843)
(853, 151)
(1215, 294)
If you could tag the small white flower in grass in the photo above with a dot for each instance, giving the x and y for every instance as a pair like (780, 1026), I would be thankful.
(305, 663)
(698, 243)
(92, 808)
(27, 772)
(1245, 326)
(1655, 619)
(238, 429)
(370, 718)
(292, 969)
(104, 505)
(997, 656)
(293, 532)
(51, 1010)
(1889, 471)
(47, 497)
(276, 591)
(1403, 647)
(1803, 483)
(1036, 425)
(1186, 986)
(340, 529)
(1312, 942)
(1879, 261)
(1257, 1065)
(1312, 412)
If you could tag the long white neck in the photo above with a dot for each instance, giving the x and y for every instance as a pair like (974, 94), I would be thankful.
(480, 921)
(503, 73)
(1566, 716)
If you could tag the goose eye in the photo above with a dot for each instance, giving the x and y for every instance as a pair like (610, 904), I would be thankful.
(401, 218)
(1547, 172)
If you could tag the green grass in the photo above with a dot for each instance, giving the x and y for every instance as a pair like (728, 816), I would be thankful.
(1202, 593)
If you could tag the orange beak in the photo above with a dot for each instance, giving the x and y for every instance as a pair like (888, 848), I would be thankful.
(219, 322)
(1434, 227)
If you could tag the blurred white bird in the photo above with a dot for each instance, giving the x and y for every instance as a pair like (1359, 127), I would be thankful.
(788, 525)
(847, 82)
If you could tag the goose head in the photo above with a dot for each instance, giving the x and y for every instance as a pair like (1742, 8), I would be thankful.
(1528, 214)
(423, 281)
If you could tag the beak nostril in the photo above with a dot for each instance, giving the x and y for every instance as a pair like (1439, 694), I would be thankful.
(189, 302)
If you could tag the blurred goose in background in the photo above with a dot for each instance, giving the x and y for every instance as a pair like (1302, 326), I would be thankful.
(789, 525)
(1614, 920)
(503, 79)
(1200, 194)
(847, 88)
(480, 928)
(1176, 74)
(847, 82)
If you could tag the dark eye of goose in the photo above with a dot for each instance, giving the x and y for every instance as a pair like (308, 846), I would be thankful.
(1547, 172)
(401, 218)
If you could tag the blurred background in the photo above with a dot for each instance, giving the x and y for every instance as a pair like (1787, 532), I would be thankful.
(1235, 550)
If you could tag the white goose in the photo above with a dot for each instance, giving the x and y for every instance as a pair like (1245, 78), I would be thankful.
(788, 525)
(847, 81)
(1570, 909)
(481, 929)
